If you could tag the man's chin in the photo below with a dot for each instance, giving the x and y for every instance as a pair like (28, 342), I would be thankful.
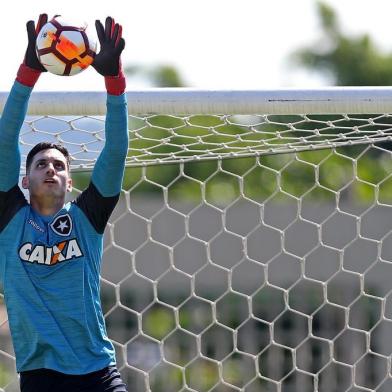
(49, 192)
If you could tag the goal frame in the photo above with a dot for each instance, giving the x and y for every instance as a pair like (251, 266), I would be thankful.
(331, 100)
(156, 215)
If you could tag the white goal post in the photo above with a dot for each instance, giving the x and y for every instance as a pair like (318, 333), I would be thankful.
(251, 249)
(254, 113)
(332, 100)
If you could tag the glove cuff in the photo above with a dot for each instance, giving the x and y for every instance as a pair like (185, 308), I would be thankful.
(27, 76)
(115, 85)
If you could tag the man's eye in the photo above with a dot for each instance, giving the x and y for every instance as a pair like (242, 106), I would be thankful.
(40, 164)
(59, 166)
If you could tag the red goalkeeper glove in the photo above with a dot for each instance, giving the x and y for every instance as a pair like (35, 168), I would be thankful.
(31, 67)
(31, 58)
(107, 62)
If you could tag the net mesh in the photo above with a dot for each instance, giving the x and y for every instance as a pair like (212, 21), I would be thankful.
(269, 271)
(159, 139)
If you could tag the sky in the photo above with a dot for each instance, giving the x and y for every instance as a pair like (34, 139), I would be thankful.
(215, 44)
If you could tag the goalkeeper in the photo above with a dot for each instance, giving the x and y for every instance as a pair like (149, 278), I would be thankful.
(50, 252)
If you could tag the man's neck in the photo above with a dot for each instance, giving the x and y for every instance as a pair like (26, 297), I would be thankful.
(47, 207)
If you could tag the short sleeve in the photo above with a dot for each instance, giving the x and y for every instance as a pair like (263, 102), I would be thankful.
(10, 203)
(96, 207)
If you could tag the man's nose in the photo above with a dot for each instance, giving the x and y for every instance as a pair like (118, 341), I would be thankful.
(50, 168)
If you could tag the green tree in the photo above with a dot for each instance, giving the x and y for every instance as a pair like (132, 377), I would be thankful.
(163, 75)
(348, 60)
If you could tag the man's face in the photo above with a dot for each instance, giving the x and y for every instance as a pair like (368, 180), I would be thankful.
(48, 175)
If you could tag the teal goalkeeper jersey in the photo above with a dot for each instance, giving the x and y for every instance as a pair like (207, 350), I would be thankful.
(50, 265)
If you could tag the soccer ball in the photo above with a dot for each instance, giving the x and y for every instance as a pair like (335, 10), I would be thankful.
(65, 48)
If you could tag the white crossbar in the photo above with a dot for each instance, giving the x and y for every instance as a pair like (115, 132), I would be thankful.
(332, 100)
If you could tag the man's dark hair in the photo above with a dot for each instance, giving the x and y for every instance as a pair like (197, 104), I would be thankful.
(46, 146)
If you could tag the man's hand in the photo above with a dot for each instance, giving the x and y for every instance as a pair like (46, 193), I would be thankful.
(107, 61)
(31, 59)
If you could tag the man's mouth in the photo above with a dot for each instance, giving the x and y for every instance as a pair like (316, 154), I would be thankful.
(50, 181)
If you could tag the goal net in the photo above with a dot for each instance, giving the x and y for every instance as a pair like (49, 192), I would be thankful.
(251, 249)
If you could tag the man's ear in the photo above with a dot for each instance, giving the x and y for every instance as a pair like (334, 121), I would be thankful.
(69, 184)
(25, 182)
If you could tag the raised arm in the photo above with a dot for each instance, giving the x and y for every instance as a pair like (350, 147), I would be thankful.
(15, 109)
(109, 169)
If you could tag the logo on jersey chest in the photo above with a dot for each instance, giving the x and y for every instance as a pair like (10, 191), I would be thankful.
(36, 226)
(62, 225)
(40, 254)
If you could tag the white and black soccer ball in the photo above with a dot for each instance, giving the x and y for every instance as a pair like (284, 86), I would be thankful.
(65, 48)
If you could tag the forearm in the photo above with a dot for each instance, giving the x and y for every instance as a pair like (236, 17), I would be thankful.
(10, 124)
(15, 109)
(109, 169)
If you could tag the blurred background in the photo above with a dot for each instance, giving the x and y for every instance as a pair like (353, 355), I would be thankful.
(222, 44)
